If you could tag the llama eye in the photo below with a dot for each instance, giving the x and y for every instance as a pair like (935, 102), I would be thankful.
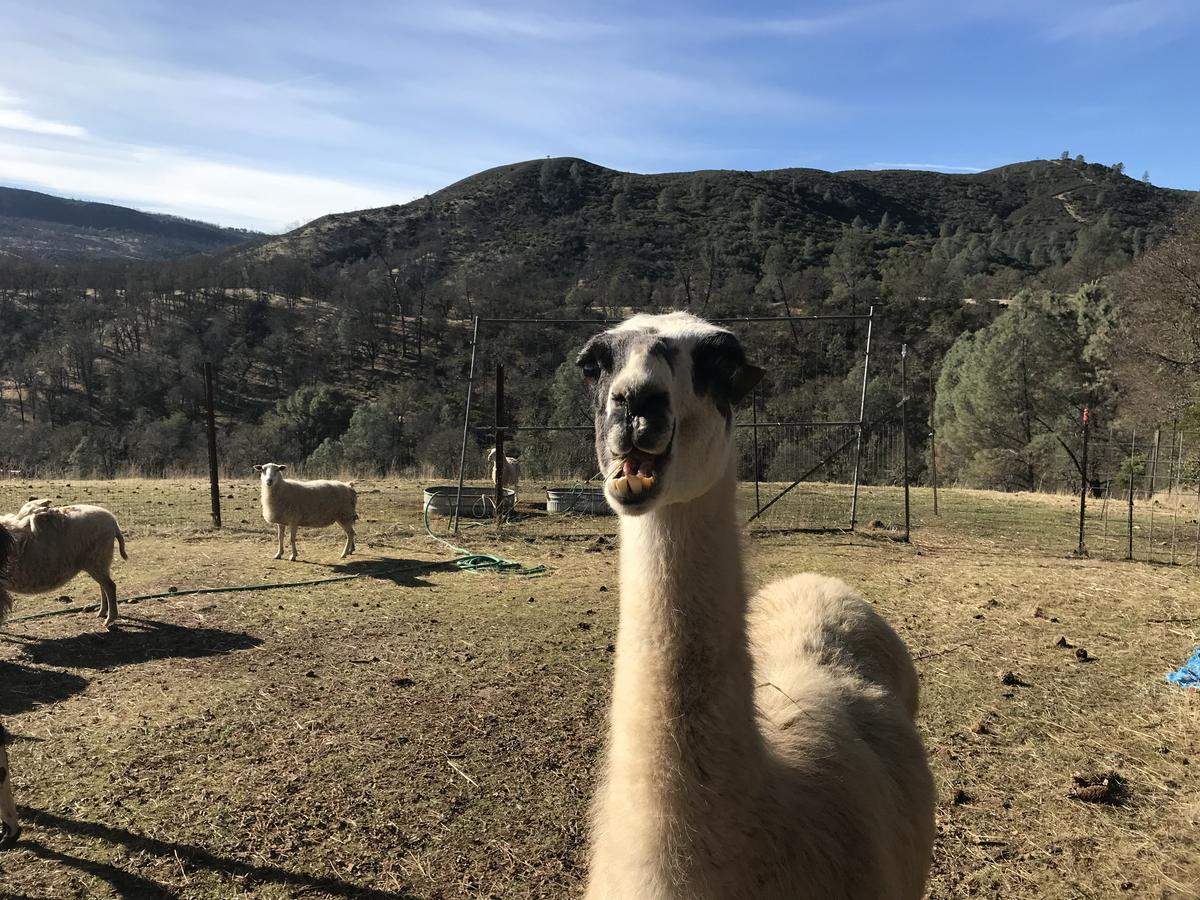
(591, 369)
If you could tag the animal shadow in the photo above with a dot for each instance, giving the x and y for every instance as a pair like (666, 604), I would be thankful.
(188, 857)
(135, 641)
(401, 572)
(23, 688)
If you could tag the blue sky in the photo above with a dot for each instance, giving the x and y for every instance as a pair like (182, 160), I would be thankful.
(269, 114)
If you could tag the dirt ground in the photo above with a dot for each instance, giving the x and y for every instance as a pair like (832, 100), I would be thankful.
(423, 731)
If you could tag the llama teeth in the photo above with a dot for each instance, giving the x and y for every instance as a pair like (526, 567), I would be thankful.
(621, 486)
(648, 481)
(635, 484)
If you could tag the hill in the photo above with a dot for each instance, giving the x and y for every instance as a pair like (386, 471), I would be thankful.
(47, 227)
(571, 217)
(347, 342)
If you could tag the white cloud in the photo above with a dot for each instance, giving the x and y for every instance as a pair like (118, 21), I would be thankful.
(162, 180)
(19, 120)
(13, 117)
(937, 167)
(1115, 20)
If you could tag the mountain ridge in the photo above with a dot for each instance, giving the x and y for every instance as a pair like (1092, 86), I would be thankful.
(34, 223)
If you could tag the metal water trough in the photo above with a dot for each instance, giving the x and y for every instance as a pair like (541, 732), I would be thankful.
(477, 502)
(587, 501)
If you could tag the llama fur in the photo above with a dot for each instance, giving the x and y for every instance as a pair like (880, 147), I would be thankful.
(308, 504)
(50, 546)
(759, 747)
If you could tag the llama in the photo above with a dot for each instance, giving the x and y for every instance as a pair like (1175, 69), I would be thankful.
(758, 747)
(10, 828)
(50, 546)
(313, 504)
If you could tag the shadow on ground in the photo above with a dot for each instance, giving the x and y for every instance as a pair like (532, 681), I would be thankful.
(135, 641)
(402, 572)
(23, 688)
(187, 856)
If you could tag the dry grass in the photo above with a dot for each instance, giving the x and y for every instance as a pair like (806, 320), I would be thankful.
(424, 732)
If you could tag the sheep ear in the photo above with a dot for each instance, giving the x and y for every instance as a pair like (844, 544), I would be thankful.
(281, 468)
(258, 468)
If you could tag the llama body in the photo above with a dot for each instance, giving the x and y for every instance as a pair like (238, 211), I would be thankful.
(759, 748)
(308, 504)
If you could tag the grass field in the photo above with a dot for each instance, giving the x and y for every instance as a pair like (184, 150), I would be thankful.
(420, 731)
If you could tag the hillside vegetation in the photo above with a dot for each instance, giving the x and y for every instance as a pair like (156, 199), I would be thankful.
(48, 227)
(324, 338)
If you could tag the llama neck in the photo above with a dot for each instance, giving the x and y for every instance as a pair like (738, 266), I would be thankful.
(683, 727)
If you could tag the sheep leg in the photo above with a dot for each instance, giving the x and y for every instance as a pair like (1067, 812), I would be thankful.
(108, 596)
(294, 555)
(349, 548)
(279, 552)
(109, 589)
(10, 830)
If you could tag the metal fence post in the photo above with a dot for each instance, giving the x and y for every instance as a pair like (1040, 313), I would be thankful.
(904, 434)
(862, 411)
(462, 458)
(498, 459)
(214, 484)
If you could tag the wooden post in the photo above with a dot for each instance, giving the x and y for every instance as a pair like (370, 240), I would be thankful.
(214, 483)
(1176, 491)
(754, 410)
(499, 458)
(904, 434)
(1153, 476)
(933, 445)
(1132, 450)
(1085, 485)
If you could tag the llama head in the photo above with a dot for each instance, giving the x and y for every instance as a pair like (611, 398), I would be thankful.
(662, 390)
(270, 473)
(491, 455)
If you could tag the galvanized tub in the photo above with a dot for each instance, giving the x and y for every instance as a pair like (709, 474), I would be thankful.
(587, 501)
(477, 502)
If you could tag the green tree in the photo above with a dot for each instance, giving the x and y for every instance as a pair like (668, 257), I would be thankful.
(1009, 396)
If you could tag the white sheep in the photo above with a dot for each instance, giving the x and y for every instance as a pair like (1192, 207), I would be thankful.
(512, 471)
(313, 504)
(52, 546)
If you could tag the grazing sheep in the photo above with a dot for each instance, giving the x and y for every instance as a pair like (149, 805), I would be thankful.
(52, 546)
(511, 472)
(760, 748)
(313, 504)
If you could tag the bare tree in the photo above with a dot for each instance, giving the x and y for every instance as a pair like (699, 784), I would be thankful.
(1158, 344)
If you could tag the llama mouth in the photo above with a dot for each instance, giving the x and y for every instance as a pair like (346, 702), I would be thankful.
(635, 476)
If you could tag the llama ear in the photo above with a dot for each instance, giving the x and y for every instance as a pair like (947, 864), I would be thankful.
(745, 379)
(258, 468)
(281, 468)
(595, 356)
(720, 369)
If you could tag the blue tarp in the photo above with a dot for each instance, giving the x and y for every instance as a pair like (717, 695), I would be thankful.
(1189, 675)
